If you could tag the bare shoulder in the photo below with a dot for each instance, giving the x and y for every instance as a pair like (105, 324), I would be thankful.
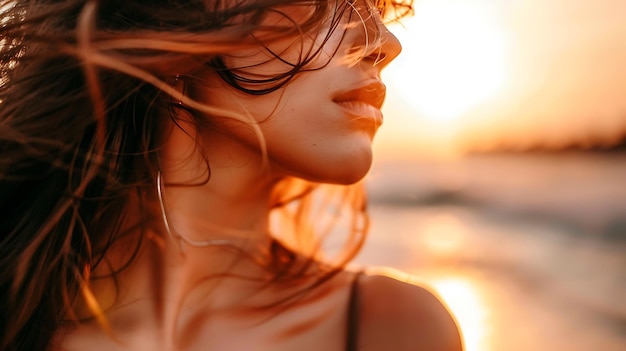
(397, 313)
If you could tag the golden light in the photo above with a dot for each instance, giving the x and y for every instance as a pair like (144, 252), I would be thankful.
(453, 57)
(465, 303)
(443, 235)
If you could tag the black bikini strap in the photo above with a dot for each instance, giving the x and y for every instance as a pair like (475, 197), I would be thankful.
(353, 314)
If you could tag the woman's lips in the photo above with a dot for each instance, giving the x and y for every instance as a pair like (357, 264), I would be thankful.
(364, 101)
(362, 109)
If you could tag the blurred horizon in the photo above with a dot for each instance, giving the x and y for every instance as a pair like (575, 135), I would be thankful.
(511, 75)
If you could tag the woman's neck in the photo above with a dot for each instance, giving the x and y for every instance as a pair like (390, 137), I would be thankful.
(211, 252)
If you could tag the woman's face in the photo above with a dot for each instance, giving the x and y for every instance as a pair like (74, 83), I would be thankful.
(321, 124)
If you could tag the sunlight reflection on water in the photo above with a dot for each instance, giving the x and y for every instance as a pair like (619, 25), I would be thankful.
(466, 303)
(508, 289)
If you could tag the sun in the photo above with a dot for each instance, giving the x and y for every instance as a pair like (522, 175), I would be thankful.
(453, 57)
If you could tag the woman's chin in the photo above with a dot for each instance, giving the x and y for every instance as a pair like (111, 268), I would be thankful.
(341, 171)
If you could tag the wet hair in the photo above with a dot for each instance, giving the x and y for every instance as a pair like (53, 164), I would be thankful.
(85, 91)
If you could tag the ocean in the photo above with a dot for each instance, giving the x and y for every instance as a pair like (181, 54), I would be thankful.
(528, 250)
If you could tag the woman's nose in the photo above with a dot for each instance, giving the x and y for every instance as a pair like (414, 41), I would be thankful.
(382, 45)
(390, 46)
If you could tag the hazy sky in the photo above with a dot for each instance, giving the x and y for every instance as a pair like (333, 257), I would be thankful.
(482, 74)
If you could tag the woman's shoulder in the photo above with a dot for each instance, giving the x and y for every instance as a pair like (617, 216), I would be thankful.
(396, 312)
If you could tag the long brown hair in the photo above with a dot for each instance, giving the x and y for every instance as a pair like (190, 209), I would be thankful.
(82, 86)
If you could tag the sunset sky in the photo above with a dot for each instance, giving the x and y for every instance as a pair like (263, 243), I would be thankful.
(507, 74)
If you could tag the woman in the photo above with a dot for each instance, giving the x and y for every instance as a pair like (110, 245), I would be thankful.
(161, 171)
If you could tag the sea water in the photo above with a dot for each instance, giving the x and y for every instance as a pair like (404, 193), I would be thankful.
(527, 250)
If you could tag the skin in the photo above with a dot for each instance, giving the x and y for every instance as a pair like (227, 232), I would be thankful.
(165, 300)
